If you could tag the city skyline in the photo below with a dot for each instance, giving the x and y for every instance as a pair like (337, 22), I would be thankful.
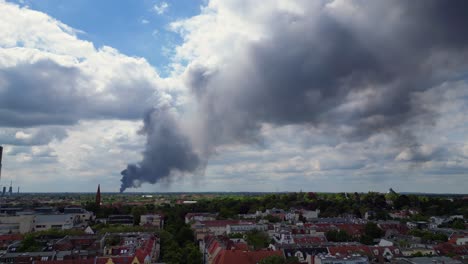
(229, 96)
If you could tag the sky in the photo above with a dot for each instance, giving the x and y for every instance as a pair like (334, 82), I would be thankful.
(229, 95)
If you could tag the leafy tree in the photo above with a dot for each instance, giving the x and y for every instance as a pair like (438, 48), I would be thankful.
(185, 234)
(29, 244)
(194, 256)
(458, 224)
(338, 236)
(112, 240)
(428, 236)
(292, 260)
(225, 213)
(402, 201)
(366, 240)
(372, 230)
(417, 254)
(257, 239)
(236, 235)
(272, 219)
(137, 211)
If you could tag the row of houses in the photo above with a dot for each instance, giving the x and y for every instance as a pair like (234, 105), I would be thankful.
(307, 240)
(119, 248)
(23, 222)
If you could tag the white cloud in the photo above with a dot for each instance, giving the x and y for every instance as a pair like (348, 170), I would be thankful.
(95, 150)
(86, 87)
(144, 21)
(161, 8)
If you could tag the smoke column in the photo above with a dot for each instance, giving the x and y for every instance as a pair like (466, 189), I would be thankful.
(361, 67)
(167, 150)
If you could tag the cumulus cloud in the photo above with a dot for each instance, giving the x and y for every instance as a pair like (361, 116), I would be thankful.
(32, 136)
(161, 8)
(352, 68)
(294, 91)
(51, 81)
(50, 77)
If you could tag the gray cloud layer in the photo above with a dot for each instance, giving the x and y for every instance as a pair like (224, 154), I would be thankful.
(47, 93)
(355, 68)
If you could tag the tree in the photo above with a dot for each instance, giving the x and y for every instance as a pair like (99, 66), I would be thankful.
(185, 234)
(29, 244)
(338, 236)
(372, 230)
(366, 240)
(112, 240)
(458, 224)
(257, 239)
(137, 211)
(272, 219)
(402, 201)
(194, 256)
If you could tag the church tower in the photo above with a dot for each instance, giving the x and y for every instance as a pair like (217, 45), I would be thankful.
(98, 195)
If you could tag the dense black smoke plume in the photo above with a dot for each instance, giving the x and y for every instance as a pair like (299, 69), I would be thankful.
(327, 67)
(167, 151)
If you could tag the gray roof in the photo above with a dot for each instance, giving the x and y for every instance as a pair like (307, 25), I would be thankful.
(30, 254)
(54, 218)
(433, 260)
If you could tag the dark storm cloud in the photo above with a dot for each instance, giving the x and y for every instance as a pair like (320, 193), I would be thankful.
(310, 67)
(47, 93)
(361, 70)
(167, 151)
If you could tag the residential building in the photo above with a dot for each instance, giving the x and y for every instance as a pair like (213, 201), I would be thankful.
(306, 254)
(193, 217)
(244, 227)
(120, 219)
(54, 221)
(153, 220)
(352, 259)
(228, 256)
(15, 224)
(310, 214)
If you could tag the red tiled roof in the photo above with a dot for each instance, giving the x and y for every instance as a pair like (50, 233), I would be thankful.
(11, 237)
(401, 228)
(351, 229)
(244, 257)
(348, 250)
(240, 246)
(213, 223)
(99, 260)
(309, 239)
(213, 247)
(447, 248)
